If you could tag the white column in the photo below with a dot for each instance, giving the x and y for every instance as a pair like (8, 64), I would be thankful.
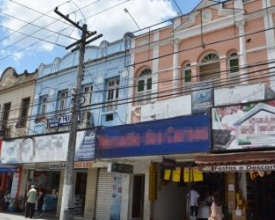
(176, 65)
(155, 68)
(242, 53)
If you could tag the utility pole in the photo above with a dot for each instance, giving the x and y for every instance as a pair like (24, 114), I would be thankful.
(66, 212)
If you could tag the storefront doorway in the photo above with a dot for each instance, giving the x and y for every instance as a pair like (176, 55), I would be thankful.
(172, 197)
(138, 197)
(261, 197)
(80, 191)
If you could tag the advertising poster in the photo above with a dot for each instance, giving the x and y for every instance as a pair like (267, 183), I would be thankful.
(244, 126)
(85, 145)
(48, 148)
(14, 186)
(35, 149)
(116, 198)
(202, 99)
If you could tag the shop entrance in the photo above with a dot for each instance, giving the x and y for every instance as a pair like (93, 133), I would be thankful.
(261, 197)
(80, 192)
(172, 196)
(138, 197)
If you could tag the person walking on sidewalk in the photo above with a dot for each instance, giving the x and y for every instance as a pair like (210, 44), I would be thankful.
(32, 194)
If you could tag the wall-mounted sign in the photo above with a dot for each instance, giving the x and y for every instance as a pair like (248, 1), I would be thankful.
(202, 97)
(48, 148)
(57, 165)
(168, 136)
(243, 126)
(122, 168)
(60, 120)
(236, 168)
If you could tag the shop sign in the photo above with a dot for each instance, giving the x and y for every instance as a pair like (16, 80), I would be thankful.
(236, 168)
(62, 120)
(122, 168)
(57, 166)
(83, 165)
(244, 126)
(188, 134)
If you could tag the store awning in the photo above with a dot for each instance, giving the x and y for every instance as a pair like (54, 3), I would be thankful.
(234, 162)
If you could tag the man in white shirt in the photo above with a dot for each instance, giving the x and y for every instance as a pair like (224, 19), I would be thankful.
(193, 203)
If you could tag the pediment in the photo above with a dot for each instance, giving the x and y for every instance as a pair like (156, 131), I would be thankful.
(205, 12)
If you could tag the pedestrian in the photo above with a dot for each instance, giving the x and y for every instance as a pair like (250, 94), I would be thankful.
(216, 207)
(31, 200)
(40, 202)
(194, 203)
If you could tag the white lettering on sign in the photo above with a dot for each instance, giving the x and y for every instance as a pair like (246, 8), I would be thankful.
(244, 167)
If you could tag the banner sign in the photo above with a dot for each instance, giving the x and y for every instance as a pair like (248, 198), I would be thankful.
(57, 165)
(169, 136)
(48, 148)
(236, 168)
(244, 126)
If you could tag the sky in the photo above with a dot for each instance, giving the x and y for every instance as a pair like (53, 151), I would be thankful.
(31, 33)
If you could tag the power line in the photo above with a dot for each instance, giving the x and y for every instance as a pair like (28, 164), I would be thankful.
(178, 79)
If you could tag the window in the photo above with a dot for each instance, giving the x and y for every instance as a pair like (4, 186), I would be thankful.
(233, 63)
(43, 104)
(210, 68)
(5, 115)
(62, 100)
(187, 74)
(144, 86)
(87, 94)
(25, 104)
(112, 94)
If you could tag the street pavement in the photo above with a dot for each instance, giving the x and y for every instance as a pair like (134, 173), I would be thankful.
(20, 216)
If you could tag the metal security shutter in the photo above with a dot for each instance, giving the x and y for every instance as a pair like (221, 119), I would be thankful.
(104, 195)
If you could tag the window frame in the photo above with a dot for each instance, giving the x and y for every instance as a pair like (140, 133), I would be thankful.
(144, 86)
(62, 100)
(5, 114)
(23, 117)
(112, 93)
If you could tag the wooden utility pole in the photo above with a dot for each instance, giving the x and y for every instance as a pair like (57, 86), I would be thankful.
(66, 212)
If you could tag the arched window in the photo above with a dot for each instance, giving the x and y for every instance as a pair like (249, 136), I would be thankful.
(210, 67)
(187, 73)
(233, 62)
(144, 86)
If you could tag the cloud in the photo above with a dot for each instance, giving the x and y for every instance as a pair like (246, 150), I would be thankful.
(28, 21)
(31, 32)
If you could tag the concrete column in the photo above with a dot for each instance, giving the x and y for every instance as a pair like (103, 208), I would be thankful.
(125, 198)
(60, 191)
(90, 198)
(176, 77)
(243, 58)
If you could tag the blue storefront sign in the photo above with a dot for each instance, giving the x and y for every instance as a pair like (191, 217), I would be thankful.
(188, 134)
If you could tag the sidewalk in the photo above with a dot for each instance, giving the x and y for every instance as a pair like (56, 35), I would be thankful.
(20, 216)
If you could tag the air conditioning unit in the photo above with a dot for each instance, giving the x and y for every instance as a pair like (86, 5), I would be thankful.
(87, 118)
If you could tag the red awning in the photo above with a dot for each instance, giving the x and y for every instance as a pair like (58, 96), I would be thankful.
(241, 161)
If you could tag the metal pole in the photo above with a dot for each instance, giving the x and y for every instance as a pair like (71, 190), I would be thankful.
(67, 195)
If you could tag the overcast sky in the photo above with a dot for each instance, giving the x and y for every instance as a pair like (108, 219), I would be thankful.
(31, 32)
